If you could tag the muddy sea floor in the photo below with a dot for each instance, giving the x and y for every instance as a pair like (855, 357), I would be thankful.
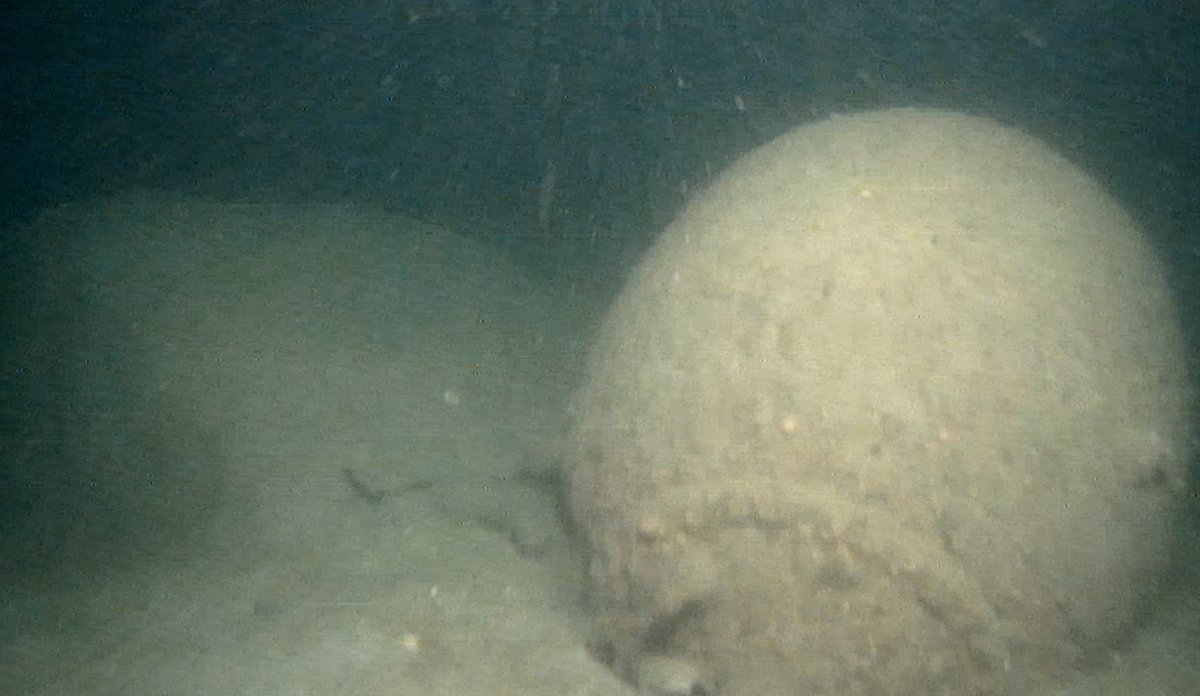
(275, 450)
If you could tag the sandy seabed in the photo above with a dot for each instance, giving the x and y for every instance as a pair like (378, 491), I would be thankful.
(314, 450)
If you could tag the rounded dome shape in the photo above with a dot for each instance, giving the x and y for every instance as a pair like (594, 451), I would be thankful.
(898, 404)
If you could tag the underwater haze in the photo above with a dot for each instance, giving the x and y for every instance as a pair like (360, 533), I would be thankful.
(298, 296)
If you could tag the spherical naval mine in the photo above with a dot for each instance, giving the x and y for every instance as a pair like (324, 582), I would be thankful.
(898, 404)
